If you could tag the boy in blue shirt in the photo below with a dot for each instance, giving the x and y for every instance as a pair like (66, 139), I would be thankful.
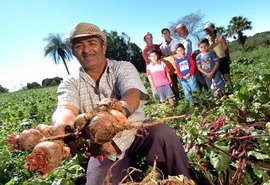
(208, 62)
(185, 69)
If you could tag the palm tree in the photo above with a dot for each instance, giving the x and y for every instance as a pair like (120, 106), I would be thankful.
(58, 49)
(237, 25)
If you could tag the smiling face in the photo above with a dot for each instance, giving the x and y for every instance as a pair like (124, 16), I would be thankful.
(166, 34)
(90, 52)
(148, 39)
(153, 57)
(182, 32)
(203, 47)
(180, 52)
(209, 31)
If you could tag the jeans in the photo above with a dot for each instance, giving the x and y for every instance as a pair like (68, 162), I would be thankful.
(218, 79)
(189, 86)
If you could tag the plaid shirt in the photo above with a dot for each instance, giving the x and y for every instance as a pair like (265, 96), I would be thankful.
(82, 92)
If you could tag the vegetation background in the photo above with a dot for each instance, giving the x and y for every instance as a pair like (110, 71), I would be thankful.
(227, 140)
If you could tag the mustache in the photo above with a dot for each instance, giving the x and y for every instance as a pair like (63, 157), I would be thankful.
(90, 53)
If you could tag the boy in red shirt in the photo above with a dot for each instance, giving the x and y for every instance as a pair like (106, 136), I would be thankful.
(185, 68)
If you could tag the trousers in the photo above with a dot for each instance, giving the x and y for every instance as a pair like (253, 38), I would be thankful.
(158, 143)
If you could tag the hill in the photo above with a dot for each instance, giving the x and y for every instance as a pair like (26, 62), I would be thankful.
(253, 42)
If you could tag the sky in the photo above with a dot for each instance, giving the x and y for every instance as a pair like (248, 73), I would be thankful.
(25, 24)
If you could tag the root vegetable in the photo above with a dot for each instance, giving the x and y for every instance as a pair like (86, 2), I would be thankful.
(46, 156)
(99, 126)
(46, 130)
(104, 127)
(27, 140)
(108, 105)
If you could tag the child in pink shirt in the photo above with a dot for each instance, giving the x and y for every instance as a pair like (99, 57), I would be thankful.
(159, 78)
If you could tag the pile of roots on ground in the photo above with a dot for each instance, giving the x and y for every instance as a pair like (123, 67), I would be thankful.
(154, 177)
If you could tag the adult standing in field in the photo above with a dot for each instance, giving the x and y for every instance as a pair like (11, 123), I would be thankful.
(190, 42)
(168, 46)
(168, 49)
(148, 39)
(218, 44)
(101, 78)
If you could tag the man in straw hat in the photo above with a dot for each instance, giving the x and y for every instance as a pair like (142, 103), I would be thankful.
(101, 78)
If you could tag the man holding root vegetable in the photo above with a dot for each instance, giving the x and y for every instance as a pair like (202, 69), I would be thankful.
(98, 79)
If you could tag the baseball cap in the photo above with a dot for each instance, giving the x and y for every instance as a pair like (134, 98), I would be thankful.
(179, 26)
(208, 25)
(86, 29)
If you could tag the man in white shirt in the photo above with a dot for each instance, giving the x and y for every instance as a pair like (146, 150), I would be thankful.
(168, 48)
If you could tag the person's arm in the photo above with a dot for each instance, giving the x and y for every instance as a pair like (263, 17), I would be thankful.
(195, 48)
(198, 63)
(131, 100)
(169, 77)
(145, 56)
(201, 70)
(225, 46)
(192, 65)
(151, 82)
(178, 70)
(191, 69)
(167, 72)
(63, 116)
(216, 66)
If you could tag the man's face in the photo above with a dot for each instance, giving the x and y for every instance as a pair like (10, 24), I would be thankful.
(209, 31)
(182, 32)
(89, 51)
(166, 35)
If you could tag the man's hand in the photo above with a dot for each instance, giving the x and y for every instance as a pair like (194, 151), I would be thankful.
(110, 148)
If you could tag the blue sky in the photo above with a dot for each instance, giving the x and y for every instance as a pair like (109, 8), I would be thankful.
(24, 25)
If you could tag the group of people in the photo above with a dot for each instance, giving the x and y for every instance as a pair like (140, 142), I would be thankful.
(99, 78)
(196, 63)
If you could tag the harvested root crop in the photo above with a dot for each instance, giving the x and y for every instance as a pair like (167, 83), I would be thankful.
(97, 127)
(46, 156)
(27, 140)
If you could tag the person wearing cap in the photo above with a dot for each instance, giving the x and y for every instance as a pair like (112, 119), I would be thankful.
(99, 78)
(190, 42)
(218, 44)
(148, 39)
